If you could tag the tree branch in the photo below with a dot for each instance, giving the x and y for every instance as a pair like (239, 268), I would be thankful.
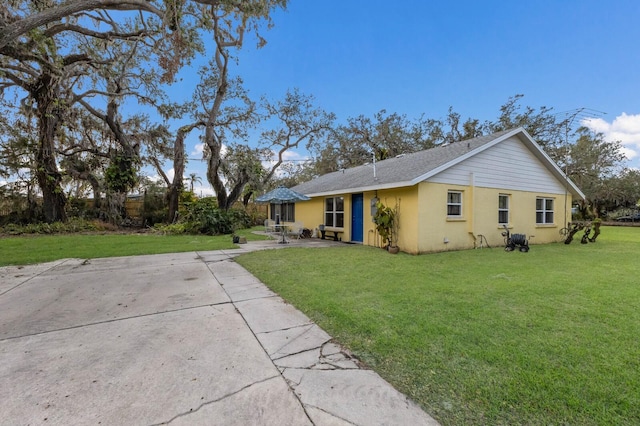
(14, 30)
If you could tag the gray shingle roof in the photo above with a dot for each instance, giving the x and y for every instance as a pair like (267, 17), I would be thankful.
(394, 172)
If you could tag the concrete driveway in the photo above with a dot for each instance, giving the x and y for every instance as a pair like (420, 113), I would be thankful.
(188, 338)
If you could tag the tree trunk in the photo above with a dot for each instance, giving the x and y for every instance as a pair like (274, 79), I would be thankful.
(47, 173)
(173, 195)
(126, 158)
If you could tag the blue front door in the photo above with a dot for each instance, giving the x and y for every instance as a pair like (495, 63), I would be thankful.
(357, 218)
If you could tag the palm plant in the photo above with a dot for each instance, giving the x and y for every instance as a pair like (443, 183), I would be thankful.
(193, 179)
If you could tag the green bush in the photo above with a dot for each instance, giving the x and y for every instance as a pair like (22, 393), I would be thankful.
(170, 229)
(154, 209)
(203, 216)
(72, 225)
(81, 208)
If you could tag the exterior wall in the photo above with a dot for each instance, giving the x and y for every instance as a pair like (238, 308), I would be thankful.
(406, 200)
(311, 215)
(437, 232)
(508, 168)
(509, 163)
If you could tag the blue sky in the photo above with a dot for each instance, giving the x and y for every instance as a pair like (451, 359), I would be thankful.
(419, 57)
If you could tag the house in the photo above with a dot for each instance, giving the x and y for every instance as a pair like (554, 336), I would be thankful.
(450, 197)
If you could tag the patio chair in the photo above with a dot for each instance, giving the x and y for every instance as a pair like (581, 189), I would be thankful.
(295, 230)
(269, 225)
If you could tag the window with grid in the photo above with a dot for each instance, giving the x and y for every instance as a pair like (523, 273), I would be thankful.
(503, 209)
(544, 210)
(334, 212)
(285, 212)
(454, 204)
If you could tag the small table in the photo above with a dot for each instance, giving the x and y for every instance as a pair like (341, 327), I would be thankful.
(283, 231)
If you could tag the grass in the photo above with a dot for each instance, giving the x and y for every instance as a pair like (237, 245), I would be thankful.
(483, 336)
(24, 250)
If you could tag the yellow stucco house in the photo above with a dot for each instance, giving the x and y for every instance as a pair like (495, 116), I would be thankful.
(451, 197)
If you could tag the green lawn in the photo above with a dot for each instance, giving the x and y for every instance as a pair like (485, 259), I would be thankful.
(28, 249)
(483, 336)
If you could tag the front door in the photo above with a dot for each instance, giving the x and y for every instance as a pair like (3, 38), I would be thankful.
(357, 218)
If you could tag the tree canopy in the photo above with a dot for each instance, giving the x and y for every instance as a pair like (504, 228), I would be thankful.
(70, 71)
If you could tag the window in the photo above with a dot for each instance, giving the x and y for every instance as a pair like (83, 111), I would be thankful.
(334, 212)
(285, 212)
(544, 210)
(503, 209)
(454, 203)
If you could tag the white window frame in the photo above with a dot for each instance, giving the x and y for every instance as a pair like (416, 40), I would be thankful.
(545, 213)
(451, 204)
(507, 197)
(332, 217)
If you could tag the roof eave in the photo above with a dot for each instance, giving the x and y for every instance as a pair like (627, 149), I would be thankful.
(360, 189)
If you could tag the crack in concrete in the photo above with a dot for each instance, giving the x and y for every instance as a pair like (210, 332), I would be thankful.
(33, 276)
(114, 320)
(307, 324)
(294, 353)
(204, 404)
(323, 361)
(292, 341)
(302, 405)
(250, 299)
(330, 414)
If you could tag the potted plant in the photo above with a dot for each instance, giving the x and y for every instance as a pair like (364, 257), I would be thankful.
(386, 220)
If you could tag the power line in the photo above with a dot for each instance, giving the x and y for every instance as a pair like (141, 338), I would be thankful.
(577, 115)
(304, 160)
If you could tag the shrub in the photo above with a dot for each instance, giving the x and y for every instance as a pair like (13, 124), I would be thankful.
(170, 229)
(154, 209)
(73, 225)
(204, 217)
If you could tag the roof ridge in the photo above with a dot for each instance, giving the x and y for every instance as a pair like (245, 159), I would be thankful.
(397, 171)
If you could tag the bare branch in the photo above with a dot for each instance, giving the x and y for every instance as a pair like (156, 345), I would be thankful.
(109, 35)
(14, 30)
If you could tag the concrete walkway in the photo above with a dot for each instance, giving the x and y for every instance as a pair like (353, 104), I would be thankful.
(181, 339)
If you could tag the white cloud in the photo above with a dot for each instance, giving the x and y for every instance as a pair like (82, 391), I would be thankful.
(159, 179)
(624, 128)
(198, 149)
(203, 191)
(596, 124)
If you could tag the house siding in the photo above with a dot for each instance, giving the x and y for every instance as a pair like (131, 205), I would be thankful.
(437, 232)
(482, 169)
(509, 164)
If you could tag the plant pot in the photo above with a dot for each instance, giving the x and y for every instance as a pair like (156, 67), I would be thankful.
(393, 250)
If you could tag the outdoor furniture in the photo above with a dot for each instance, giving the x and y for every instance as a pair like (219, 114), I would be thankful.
(331, 230)
(269, 225)
(281, 195)
(295, 230)
(281, 228)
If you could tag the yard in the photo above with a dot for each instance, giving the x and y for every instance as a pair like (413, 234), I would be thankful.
(483, 336)
(29, 249)
(474, 337)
